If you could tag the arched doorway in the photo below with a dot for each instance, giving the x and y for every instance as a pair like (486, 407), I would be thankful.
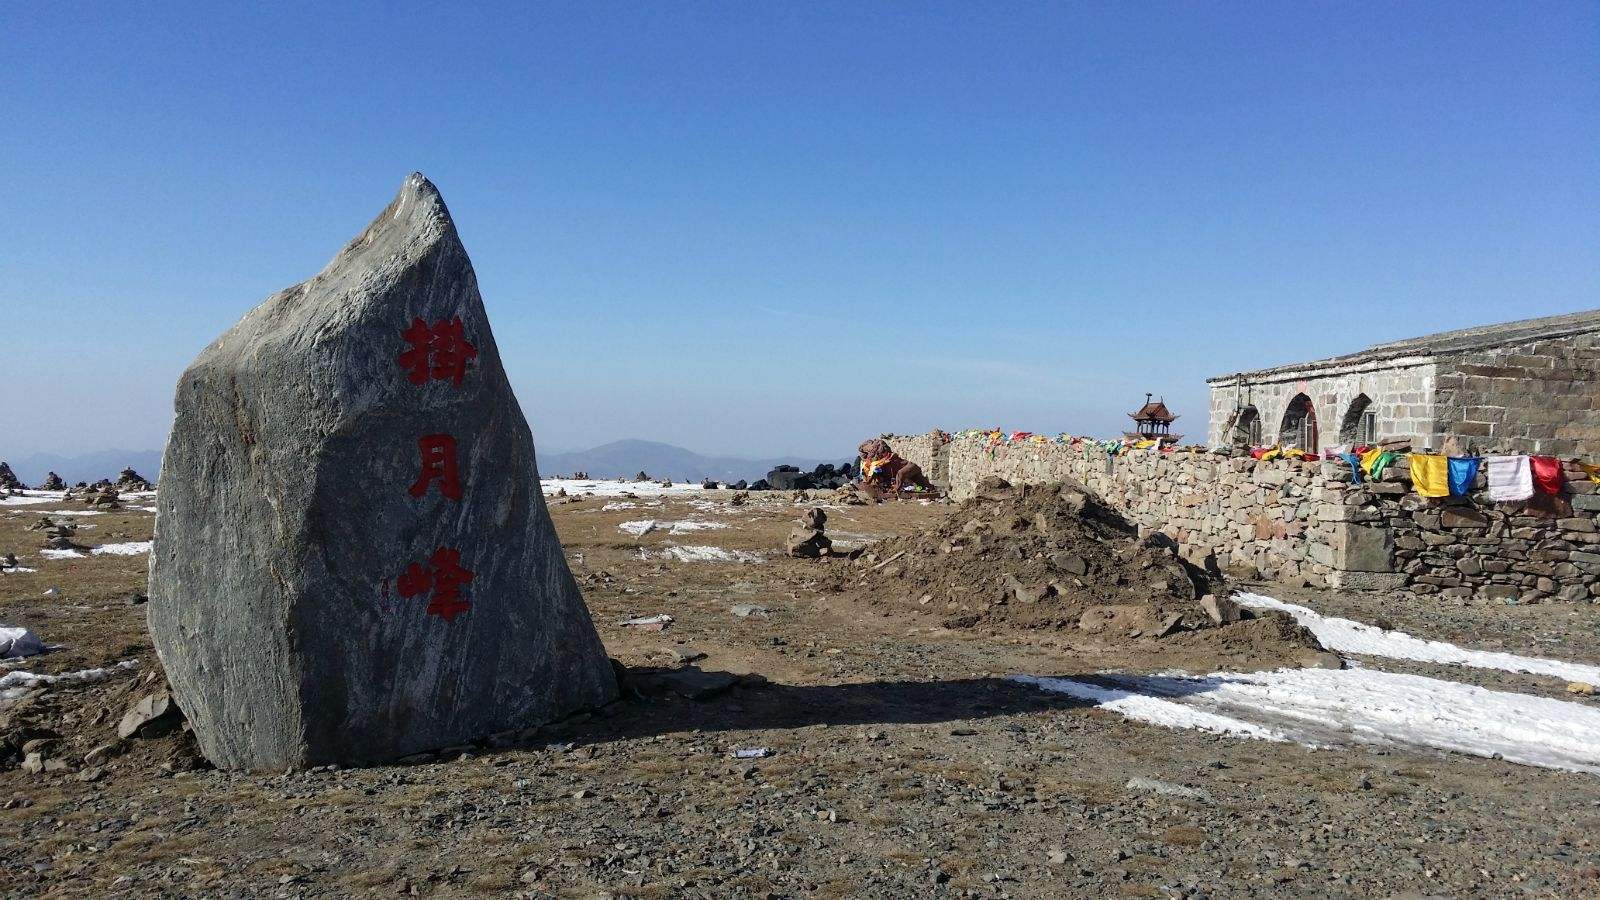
(1246, 429)
(1299, 427)
(1360, 423)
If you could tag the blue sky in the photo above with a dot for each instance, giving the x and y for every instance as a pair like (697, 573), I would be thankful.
(765, 228)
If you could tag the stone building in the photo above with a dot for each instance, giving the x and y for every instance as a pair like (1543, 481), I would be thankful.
(1525, 387)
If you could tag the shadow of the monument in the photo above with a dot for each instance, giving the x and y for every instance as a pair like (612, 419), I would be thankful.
(669, 701)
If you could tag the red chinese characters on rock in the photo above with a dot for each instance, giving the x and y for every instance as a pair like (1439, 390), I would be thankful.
(440, 352)
(444, 577)
(438, 453)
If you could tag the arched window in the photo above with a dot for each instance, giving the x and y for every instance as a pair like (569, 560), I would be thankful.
(1299, 428)
(1360, 424)
(1246, 430)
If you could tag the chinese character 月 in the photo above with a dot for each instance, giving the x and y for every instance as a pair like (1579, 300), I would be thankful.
(438, 464)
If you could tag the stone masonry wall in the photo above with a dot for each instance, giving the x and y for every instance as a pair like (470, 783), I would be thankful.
(1541, 396)
(1294, 521)
(1400, 391)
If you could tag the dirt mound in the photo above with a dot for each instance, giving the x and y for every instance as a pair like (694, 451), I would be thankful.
(1052, 556)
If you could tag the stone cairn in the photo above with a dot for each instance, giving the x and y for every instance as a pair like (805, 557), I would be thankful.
(53, 482)
(353, 560)
(130, 481)
(58, 535)
(9, 480)
(807, 540)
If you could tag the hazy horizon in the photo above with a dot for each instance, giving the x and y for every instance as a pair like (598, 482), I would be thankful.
(786, 228)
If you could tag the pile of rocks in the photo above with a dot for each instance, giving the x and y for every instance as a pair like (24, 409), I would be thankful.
(790, 478)
(1055, 556)
(130, 481)
(53, 482)
(105, 497)
(808, 540)
(58, 535)
(9, 480)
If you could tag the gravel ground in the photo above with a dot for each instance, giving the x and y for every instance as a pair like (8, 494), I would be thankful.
(902, 763)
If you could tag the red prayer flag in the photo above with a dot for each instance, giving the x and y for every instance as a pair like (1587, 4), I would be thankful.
(1547, 474)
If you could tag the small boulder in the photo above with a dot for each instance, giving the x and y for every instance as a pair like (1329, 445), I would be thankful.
(153, 716)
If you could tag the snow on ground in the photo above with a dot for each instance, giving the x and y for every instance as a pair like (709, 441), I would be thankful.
(700, 554)
(1331, 708)
(132, 548)
(645, 526)
(15, 684)
(61, 554)
(28, 498)
(17, 569)
(1349, 636)
(71, 512)
(600, 488)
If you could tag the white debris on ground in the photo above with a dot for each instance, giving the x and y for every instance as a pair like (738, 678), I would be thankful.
(1350, 636)
(131, 548)
(29, 498)
(645, 526)
(1332, 708)
(17, 641)
(701, 554)
(598, 488)
(15, 684)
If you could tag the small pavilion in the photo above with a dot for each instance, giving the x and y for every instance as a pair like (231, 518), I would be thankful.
(1153, 422)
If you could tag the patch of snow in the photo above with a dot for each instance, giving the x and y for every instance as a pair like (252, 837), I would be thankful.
(132, 548)
(28, 498)
(61, 554)
(615, 505)
(600, 488)
(1332, 708)
(645, 526)
(18, 569)
(1350, 636)
(15, 684)
(71, 512)
(701, 554)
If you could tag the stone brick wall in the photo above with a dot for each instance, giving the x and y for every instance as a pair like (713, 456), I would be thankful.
(1400, 391)
(1295, 521)
(1540, 396)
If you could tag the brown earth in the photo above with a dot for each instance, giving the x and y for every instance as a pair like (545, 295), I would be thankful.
(904, 763)
(1052, 557)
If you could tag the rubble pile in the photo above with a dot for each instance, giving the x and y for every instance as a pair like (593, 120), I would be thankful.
(1054, 556)
(9, 480)
(53, 482)
(130, 481)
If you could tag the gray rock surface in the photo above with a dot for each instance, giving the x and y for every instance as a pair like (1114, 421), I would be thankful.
(299, 598)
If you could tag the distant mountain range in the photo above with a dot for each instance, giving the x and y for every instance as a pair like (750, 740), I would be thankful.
(618, 459)
(625, 459)
(89, 467)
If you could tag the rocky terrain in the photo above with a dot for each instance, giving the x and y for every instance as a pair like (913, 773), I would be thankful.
(795, 730)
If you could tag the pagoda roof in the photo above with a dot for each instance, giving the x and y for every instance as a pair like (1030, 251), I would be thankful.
(1153, 411)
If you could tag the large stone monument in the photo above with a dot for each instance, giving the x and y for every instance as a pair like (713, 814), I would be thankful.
(353, 561)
